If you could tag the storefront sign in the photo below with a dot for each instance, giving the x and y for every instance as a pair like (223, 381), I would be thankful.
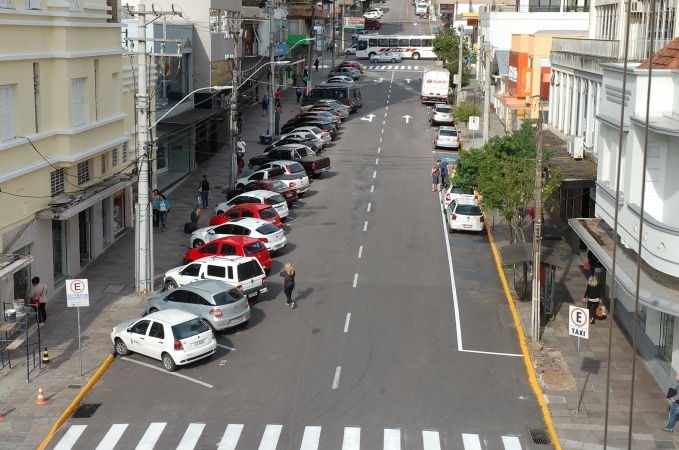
(354, 23)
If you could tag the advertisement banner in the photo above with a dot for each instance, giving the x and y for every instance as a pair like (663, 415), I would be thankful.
(354, 23)
(221, 72)
(446, 8)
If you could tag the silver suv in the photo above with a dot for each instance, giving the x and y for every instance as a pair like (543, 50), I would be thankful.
(221, 304)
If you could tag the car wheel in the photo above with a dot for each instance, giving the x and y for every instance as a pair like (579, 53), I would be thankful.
(239, 186)
(121, 348)
(197, 243)
(219, 213)
(301, 195)
(371, 55)
(284, 219)
(169, 363)
(393, 60)
(374, 61)
(171, 285)
(416, 55)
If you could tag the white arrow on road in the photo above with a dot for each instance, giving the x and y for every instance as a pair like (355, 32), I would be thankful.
(379, 80)
(369, 117)
(407, 118)
(408, 80)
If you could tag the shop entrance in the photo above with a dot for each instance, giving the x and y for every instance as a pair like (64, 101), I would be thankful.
(85, 236)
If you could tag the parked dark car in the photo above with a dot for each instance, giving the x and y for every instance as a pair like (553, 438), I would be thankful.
(313, 165)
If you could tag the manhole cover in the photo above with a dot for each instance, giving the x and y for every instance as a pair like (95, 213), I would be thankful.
(87, 410)
(75, 386)
(539, 436)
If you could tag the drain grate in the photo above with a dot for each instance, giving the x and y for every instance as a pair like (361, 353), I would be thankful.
(87, 410)
(539, 436)
(75, 386)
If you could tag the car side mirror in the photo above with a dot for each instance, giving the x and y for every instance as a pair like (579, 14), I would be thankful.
(129, 330)
(211, 232)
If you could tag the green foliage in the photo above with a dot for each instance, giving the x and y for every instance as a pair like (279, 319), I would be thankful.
(464, 110)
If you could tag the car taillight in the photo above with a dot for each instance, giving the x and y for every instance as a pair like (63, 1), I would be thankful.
(435, 113)
(291, 185)
(349, 102)
(326, 130)
(264, 240)
(454, 217)
(218, 312)
(476, 197)
(264, 280)
(437, 137)
(458, 139)
(447, 197)
(313, 166)
(178, 345)
(482, 219)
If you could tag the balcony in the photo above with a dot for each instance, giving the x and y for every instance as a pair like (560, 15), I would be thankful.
(583, 54)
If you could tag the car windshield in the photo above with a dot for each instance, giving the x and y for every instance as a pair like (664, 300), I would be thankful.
(468, 210)
(278, 186)
(267, 229)
(444, 109)
(295, 167)
(227, 297)
(191, 328)
(275, 199)
(267, 213)
(254, 248)
(447, 133)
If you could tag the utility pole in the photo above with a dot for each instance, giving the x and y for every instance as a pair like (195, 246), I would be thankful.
(312, 43)
(459, 67)
(272, 72)
(486, 98)
(233, 106)
(334, 32)
(537, 239)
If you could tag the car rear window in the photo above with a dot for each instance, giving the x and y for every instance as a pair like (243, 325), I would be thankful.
(275, 199)
(191, 328)
(444, 109)
(296, 167)
(267, 213)
(251, 249)
(267, 229)
(248, 270)
(227, 297)
(278, 186)
(459, 190)
(448, 133)
(468, 210)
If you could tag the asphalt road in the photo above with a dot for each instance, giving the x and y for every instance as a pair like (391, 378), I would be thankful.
(371, 354)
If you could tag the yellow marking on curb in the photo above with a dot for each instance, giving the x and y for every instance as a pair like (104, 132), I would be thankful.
(76, 401)
(522, 342)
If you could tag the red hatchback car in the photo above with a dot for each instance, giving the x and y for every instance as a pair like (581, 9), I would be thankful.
(232, 245)
(287, 190)
(256, 210)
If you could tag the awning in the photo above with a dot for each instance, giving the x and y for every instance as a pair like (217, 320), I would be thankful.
(522, 252)
(9, 264)
(188, 117)
(67, 206)
(512, 102)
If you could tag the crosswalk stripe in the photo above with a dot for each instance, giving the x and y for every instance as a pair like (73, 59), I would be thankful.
(231, 436)
(430, 440)
(270, 438)
(191, 436)
(471, 441)
(383, 67)
(511, 443)
(392, 439)
(112, 437)
(311, 439)
(408, 67)
(72, 435)
(153, 432)
(352, 438)
(416, 67)
(403, 67)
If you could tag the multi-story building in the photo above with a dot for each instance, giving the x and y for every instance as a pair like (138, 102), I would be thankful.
(659, 275)
(65, 137)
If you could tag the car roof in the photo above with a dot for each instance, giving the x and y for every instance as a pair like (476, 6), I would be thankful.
(447, 128)
(291, 147)
(216, 259)
(249, 222)
(466, 201)
(259, 193)
(282, 162)
(206, 287)
(442, 104)
(257, 206)
(172, 316)
(238, 240)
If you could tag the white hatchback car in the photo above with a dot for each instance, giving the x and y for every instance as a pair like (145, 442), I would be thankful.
(465, 215)
(260, 196)
(172, 336)
(271, 236)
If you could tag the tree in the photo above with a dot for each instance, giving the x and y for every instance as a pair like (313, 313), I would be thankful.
(464, 110)
(446, 48)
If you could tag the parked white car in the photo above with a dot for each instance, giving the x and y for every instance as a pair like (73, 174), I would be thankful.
(465, 215)
(324, 136)
(372, 15)
(271, 236)
(301, 183)
(455, 192)
(260, 196)
(172, 336)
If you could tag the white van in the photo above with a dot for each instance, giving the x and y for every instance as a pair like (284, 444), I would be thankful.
(421, 8)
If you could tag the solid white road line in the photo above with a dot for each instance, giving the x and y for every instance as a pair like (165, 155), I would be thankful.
(224, 346)
(311, 439)
(113, 436)
(372, 188)
(346, 323)
(191, 436)
(153, 432)
(430, 440)
(365, 227)
(369, 205)
(231, 436)
(511, 443)
(392, 439)
(355, 279)
(270, 438)
(72, 435)
(374, 174)
(471, 441)
(352, 438)
(125, 358)
(335, 381)
(360, 251)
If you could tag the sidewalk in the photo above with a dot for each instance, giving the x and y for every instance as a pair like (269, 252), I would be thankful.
(112, 301)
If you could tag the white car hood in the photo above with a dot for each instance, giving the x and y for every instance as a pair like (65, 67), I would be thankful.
(174, 272)
(123, 326)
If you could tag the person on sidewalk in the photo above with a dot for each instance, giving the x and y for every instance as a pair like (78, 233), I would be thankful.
(674, 407)
(265, 106)
(204, 188)
(288, 284)
(298, 93)
(305, 74)
(239, 122)
(435, 173)
(592, 294)
(444, 174)
(294, 79)
(316, 63)
(240, 147)
(240, 162)
(277, 96)
(164, 207)
(155, 196)
(38, 297)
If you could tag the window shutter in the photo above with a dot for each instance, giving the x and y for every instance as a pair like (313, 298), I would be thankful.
(33, 4)
(6, 113)
(78, 101)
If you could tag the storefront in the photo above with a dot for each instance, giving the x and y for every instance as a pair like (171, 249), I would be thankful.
(118, 211)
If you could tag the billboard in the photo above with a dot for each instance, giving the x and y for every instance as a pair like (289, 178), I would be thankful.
(354, 23)
(446, 8)
(221, 72)
(519, 77)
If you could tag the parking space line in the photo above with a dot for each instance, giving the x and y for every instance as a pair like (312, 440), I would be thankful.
(113, 436)
(335, 381)
(360, 251)
(369, 205)
(346, 322)
(150, 366)
(355, 279)
(153, 432)
(365, 225)
(231, 436)
(228, 348)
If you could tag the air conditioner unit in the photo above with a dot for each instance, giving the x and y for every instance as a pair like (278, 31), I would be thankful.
(576, 147)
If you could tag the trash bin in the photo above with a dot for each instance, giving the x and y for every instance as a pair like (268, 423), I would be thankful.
(265, 139)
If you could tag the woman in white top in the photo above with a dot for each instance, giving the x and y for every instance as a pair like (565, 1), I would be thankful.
(39, 293)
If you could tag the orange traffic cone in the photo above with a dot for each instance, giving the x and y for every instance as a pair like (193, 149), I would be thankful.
(41, 397)
(2, 416)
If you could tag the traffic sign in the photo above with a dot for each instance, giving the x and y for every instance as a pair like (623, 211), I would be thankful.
(77, 293)
(578, 321)
(474, 123)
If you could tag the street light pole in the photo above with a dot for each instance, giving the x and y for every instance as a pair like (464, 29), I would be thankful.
(537, 239)
(272, 61)
(459, 66)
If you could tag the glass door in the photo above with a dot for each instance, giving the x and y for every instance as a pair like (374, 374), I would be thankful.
(59, 250)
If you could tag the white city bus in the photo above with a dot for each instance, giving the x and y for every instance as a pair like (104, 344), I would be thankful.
(409, 47)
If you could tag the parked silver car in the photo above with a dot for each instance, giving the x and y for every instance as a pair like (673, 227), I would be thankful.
(447, 137)
(220, 304)
(441, 113)
(386, 57)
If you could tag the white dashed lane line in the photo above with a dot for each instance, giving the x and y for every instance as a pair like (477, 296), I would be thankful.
(335, 382)
(374, 174)
(365, 227)
(369, 205)
(346, 322)
(355, 279)
(372, 188)
(360, 251)
(377, 161)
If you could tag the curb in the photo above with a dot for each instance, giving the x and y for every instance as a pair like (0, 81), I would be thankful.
(524, 348)
(76, 401)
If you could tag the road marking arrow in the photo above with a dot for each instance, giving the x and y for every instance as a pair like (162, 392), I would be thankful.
(369, 117)
(407, 118)
(408, 80)
(379, 80)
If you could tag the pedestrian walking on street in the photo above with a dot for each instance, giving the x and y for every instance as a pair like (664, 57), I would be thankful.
(38, 298)
(204, 189)
(156, 214)
(240, 161)
(316, 63)
(298, 93)
(435, 174)
(592, 294)
(288, 284)
(444, 174)
(164, 208)
(306, 72)
(673, 397)
(277, 96)
(265, 106)
(240, 146)
(294, 79)
(239, 122)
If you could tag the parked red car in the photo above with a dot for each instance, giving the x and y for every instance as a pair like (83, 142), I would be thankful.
(256, 210)
(352, 64)
(232, 245)
(287, 190)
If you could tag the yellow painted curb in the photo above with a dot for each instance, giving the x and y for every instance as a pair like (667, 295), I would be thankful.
(522, 342)
(76, 401)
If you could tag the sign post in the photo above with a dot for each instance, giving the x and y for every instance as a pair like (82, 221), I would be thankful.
(77, 295)
(473, 124)
(578, 325)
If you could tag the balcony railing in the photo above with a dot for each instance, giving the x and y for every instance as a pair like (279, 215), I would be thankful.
(590, 47)
(539, 8)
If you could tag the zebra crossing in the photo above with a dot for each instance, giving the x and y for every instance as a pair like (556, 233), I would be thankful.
(393, 67)
(311, 439)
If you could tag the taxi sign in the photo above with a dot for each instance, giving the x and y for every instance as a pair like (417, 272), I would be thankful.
(578, 321)
(77, 293)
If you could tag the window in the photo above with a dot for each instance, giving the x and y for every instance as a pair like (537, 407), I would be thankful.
(33, 4)
(78, 94)
(83, 172)
(666, 340)
(216, 271)
(228, 249)
(57, 182)
(254, 248)
(191, 271)
(404, 42)
(59, 249)
(114, 157)
(382, 42)
(7, 112)
(233, 214)
(114, 94)
(248, 213)
(124, 152)
(416, 42)
(5, 4)
(230, 296)
(192, 298)
(209, 249)
(393, 42)
(224, 229)
(240, 231)
(73, 5)
(140, 327)
(267, 229)
(177, 296)
(103, 163)
(157, 330)
(191, 328)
